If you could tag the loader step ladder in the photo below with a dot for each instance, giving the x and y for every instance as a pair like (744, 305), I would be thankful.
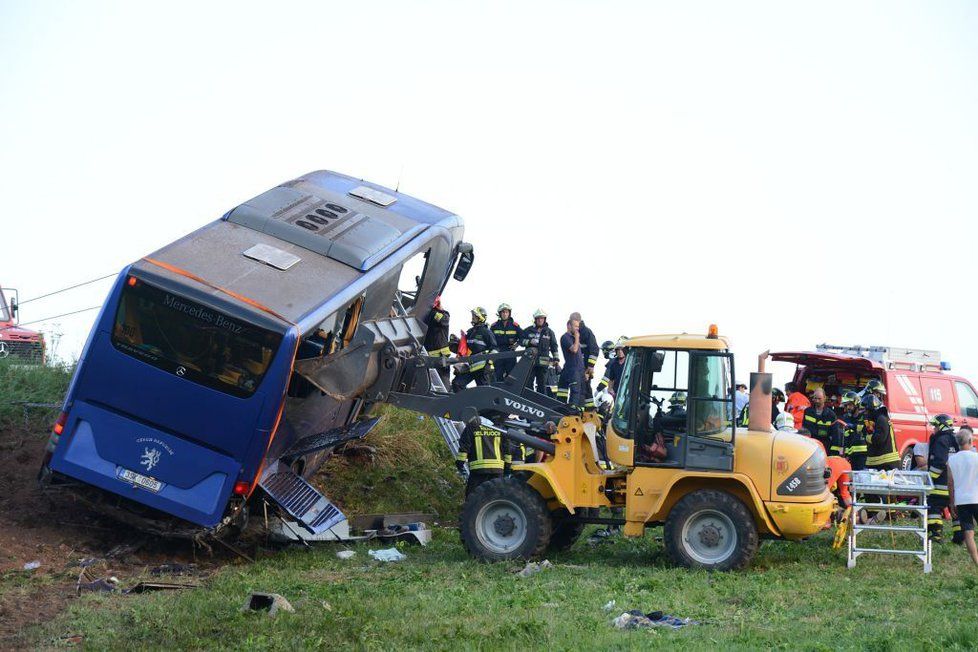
(300, 500)
(869, 486)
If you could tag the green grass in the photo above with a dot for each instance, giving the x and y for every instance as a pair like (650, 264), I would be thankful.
(33, 384)
(410, 470)
(795, 596)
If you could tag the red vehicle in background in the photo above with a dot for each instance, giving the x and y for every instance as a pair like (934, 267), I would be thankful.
(918, 385)
(18, 343)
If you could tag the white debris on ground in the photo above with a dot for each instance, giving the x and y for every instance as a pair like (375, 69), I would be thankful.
(387, 554)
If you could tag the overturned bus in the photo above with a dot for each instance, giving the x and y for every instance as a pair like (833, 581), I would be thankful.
(229, 364)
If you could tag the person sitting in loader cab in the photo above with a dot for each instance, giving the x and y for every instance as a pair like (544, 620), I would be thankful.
(479, 339)
(674, 419)
(881, 444)
(481, 450)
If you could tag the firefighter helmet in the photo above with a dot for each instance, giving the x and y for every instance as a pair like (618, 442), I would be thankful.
(607, 347)
(677, 398)
(872, 402)
(620, 342)
(479, 313)
(540, 312)
(875, 386)
(777, 395)
(942, 422)
(850, 397)
(504, 306)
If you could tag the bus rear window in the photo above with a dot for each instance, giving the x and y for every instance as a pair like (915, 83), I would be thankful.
(192, 340)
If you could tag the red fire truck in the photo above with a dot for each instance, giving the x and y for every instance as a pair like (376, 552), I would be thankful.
(19, 343)
(918, 385)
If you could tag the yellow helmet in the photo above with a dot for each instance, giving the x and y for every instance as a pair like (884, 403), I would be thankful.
(479, 313)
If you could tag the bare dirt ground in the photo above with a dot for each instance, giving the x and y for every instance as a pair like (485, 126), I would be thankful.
(67, 538)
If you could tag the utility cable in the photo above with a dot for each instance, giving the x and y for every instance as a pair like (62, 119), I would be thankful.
(72, 287)
(64, 314)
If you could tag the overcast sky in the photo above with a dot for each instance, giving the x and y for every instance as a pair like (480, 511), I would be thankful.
(796, 173)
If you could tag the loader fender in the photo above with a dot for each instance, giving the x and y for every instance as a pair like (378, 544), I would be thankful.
(734, 483)
(543, 480)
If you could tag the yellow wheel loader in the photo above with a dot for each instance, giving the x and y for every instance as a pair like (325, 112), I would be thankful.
(716, 488)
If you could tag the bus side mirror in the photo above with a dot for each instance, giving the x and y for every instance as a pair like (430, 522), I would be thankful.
(971, 412)
(465, 260)
(14, 308)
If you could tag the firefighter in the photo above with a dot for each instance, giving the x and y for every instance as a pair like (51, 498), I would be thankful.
(589, 349)
(853, 431)
(877, 388)
(436, 337)
(541, 337)
(479, 339)
(942, 445)
(820, 422)
(507, 334)
(612, 370)
(674, 419)
(572, 377)
(481, 450)
(881, 451)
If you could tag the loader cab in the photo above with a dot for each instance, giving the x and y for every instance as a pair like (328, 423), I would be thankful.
(649, 413)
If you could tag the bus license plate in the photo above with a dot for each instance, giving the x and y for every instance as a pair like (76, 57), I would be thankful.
(140, 480)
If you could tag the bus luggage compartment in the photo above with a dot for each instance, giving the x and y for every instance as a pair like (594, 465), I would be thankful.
(146, 465)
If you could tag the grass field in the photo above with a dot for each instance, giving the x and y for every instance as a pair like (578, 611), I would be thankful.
(797, 596)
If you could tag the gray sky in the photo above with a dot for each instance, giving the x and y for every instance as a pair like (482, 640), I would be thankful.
(796, 173)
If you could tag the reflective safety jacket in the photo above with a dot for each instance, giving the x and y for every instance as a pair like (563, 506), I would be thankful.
(612, 374)
(820, 427)
(436, 337)
(854, 434)
(481, 447)
(507, 334)
(543, 340)
(796, 404)
(881, 443)
(941, 446)
(589, 346)
(480, 340)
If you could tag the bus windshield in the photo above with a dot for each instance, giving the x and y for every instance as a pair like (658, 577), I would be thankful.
(192, 340)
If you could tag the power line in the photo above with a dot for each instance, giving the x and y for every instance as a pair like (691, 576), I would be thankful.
(64, 314)
(71, 287)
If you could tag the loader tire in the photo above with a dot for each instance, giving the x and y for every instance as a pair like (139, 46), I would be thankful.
(712, 530)
(505, 519)
(566, 531)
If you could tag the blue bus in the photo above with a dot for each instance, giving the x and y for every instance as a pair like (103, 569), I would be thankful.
(229, 364)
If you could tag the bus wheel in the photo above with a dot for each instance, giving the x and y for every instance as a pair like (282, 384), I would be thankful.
(566, 531)
(710, 529)
(505, 519)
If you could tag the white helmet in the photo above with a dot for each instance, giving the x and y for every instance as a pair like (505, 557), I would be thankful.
(784, 421)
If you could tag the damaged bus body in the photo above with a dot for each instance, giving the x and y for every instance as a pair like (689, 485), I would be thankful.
(228, 365)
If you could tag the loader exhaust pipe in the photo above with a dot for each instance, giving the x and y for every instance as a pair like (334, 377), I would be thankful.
(760, 402)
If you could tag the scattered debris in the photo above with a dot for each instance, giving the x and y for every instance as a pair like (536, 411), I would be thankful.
(346, 554)
(387, 554)
(327, 606)
(172, 569)
(635, 619)
(123, 549)
(87, 561)
(101, 585)
(32, 565)
(146, 587)
(534, 567)
(270, 602)
(609, 606)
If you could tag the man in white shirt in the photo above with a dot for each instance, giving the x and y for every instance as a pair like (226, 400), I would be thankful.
(963, 487)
